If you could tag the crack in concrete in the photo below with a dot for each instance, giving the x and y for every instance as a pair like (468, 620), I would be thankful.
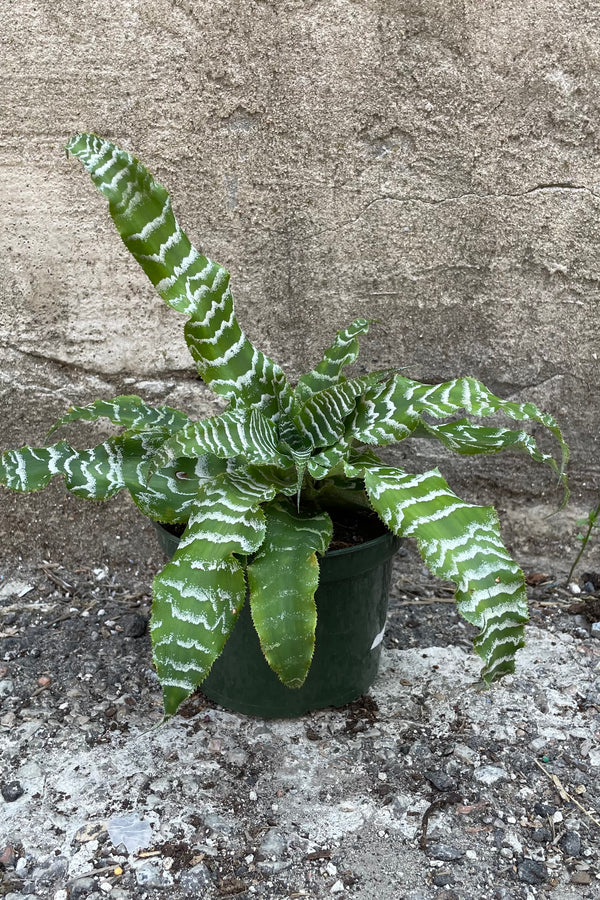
(473, 195)
(180, 375)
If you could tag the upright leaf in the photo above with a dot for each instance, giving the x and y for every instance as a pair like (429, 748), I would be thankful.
(282, 579)
(295, 445)
(342, 352)
(462, 543)
(188, 281)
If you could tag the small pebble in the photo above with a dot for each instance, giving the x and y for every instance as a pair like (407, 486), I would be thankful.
(44, 680)
(541, 835)
(21, 866)
(440, 781)
(444, 852)
(135, 625)
(570, 844)
(337, 888)
(150, 874)
(12, 791)
(196, 880)
(7, 687)
(532, 872)
(574, 588)
(581, 878)
(490, 774)
(8, 857)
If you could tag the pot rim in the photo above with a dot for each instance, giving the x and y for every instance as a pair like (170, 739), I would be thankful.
(365, 545)
(335, 554)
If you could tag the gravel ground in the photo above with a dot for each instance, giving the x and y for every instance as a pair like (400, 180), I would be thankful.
(426, 789)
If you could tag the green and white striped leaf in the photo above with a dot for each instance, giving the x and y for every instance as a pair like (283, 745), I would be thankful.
(199, 593)
(468, 439)
(342, 352)
(383, 415)
(196, 603)
(31, 468)
(282, 580)
(188, 281)
(127, 410)
(322, 418)
(102, 471)
(296, 446)
(460, 542)
(283, 479)
(391, 412)
(173, 491)
(321, 464)
(236, 432)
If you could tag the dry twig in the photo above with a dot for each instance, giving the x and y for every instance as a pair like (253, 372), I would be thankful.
(564, 794)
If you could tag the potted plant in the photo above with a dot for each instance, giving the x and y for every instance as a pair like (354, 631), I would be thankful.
(254, 489)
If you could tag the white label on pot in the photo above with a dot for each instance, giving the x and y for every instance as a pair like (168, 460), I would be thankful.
(378, 638)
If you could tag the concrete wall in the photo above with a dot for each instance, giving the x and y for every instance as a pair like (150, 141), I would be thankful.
(432, 164)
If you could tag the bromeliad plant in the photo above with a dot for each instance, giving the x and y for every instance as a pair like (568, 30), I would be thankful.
(256, 486)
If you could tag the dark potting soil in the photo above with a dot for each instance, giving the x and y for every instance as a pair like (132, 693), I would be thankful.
(356, 527)
(349, 528)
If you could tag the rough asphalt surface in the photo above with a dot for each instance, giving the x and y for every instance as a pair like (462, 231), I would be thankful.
(426, 789)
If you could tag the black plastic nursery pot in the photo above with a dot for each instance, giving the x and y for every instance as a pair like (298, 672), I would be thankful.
(351, 599)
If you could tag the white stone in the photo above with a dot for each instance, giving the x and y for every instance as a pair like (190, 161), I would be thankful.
(594, 755)
(490, 774)
(466, 754)
(15, 588)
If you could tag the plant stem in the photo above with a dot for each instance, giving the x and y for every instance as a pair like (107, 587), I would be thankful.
(593, 516)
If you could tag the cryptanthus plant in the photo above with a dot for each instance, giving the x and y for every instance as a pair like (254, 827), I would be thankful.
(255, 487)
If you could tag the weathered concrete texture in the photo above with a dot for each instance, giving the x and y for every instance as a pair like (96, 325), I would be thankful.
(431, 164)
